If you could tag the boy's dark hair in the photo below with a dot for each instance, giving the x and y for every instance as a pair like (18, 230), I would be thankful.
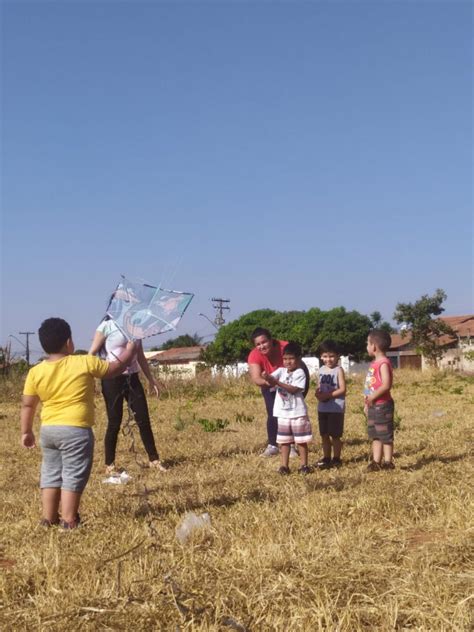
(260, 331)
(329, 346)
(381, 338)
(292, 348)
(53, 334)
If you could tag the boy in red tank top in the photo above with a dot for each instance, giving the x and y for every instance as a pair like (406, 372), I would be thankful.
(379, 406)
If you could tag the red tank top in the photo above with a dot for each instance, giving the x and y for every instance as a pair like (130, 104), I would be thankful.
(373, 381)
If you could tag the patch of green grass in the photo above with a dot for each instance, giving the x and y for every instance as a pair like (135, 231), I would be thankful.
(213, 425)
(246, 419)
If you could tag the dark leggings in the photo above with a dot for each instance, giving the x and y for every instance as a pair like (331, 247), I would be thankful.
(272, 422)
(115, 391)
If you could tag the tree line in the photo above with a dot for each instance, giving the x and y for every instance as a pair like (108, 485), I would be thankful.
(309, 328)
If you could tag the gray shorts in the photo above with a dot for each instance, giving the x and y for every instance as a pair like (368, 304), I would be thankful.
(380, 421)
(331, 424)
(67, 457)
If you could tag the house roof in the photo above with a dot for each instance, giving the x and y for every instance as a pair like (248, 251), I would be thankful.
(462, 325)
(398, 342)
(176, 355)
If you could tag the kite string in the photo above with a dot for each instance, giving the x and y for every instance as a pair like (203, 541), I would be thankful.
(176, 268)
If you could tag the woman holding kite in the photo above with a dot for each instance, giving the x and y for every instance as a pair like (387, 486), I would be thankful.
(126, 386)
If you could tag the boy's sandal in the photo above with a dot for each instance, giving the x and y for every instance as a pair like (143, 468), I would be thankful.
(44, 522)
(374, 467)
(74, 524)
(157, 465)
(284, 471)
(305, 469)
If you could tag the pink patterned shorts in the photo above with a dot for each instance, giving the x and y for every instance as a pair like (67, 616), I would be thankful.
(294, 430)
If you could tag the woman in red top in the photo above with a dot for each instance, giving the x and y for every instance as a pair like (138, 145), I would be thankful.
(268, 356)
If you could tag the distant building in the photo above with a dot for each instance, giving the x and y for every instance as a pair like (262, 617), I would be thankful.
(180, 361)
(403, 355)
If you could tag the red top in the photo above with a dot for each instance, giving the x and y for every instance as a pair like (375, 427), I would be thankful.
(256, 357)
(373, 380)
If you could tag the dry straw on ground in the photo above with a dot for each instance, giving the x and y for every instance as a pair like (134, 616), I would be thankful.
(336, 550)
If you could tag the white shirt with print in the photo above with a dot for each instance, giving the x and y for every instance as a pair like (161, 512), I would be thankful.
(290, 405)
(115, 344)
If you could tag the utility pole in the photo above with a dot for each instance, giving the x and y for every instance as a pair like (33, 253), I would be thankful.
(27, 346)
(220, 304)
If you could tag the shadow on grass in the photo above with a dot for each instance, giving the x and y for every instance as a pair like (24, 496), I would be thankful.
(228, 452)
(354, 441)
(426, 460)
(337, 484)
(223, 500)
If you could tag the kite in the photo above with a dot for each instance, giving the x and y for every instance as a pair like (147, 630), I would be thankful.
(141, 310)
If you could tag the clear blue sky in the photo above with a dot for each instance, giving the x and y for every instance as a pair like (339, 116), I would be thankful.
(280, 154)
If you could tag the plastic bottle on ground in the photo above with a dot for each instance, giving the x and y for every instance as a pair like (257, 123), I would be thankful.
(190, 524)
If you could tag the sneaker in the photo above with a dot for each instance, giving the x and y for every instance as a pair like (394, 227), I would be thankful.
(293, 452)
(336, 462)
(284, 471)
(324, 463)
(374, 467)
(74, 524)
(270, 450)
(305, 469)
(157, 465)
(388, 465)
(111, 470)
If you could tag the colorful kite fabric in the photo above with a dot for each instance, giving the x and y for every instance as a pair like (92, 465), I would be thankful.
(142, 310)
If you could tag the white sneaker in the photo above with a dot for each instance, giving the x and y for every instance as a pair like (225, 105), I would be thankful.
(270, 450)
(293, 452)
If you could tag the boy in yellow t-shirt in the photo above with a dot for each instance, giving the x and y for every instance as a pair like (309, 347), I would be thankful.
(64, 384)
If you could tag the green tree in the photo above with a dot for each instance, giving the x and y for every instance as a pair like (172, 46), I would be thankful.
(424, 329)
(185, 340)
(232, 342)
(379, 323)
(310, 328)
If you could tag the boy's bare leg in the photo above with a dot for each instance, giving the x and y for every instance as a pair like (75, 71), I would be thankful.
(50, 497)
(337, 447)
(326, 441)
(377, 450)
(387, 452)
(285, 454)
(70, 504)
(303, 452)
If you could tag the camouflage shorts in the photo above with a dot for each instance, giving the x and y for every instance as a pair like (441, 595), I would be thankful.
(380, 421)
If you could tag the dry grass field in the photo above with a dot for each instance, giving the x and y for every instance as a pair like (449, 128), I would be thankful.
(341, 550)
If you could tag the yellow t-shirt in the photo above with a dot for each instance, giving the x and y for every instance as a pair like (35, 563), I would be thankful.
(66, 389)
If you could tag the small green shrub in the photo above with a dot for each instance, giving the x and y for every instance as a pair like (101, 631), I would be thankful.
(213, 425)
(397, 421)
(246, 419)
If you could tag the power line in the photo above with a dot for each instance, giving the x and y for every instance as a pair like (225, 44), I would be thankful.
(220, 304)
(27, 346)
